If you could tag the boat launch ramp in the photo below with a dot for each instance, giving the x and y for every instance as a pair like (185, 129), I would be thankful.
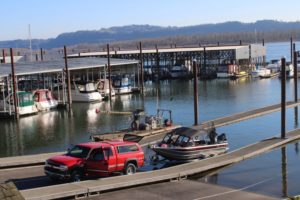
(96, 187)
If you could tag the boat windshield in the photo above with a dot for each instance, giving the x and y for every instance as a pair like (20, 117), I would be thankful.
(167, 138)
(78, 152)
(86, 88)
(181, 140)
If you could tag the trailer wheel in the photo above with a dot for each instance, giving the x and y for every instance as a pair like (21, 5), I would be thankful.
(130, 169)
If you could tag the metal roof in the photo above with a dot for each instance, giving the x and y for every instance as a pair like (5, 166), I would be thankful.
(54, 66)
(242, 51)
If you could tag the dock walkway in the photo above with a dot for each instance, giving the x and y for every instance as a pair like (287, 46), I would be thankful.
(39, 159)
(185, 189)
(95, 187)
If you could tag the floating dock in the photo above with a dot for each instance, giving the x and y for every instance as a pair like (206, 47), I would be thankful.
(184, 189)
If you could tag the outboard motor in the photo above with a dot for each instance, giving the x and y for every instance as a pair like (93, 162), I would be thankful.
(222, 138)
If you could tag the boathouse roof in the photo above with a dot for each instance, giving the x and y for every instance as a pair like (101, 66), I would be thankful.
(54, 66)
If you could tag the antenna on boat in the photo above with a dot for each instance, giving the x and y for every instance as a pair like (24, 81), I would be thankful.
(30, 46)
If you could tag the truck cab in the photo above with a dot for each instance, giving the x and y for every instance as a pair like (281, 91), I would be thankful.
(95, 159)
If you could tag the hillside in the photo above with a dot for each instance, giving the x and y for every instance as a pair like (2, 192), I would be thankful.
(269, 29)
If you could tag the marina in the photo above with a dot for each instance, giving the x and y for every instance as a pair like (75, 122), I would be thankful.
(242, 145)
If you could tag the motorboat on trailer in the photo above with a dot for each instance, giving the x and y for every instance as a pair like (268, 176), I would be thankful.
(185, 144)
(44, 100)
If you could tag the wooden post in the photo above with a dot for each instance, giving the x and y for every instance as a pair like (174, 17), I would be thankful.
(295, 76)
(142, 67)
(195, 93)
(3, 54)
(36, 57)
(16, 101)
(264, 57)
(109, 70)
(283, 97)
(204, 62)
(157, 62)
(42, 56)
(68, 78)
(291, 49)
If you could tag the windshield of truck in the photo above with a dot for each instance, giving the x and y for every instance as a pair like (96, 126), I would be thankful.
(78, 152)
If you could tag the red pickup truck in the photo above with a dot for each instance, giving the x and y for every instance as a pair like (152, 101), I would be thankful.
(95, 159)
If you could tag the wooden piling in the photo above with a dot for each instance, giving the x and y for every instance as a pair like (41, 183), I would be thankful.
(291, 49)
(283, 97)
(3, 54)
(42, 56)
(68, 78)
(195, 93)
(14, 83)
(157, 63)
(295, 76)
(142, 67)
(284, 172)
(204, 62)
(264, 57)
(109, 70)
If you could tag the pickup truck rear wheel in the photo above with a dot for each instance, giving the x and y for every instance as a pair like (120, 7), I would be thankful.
(76, 176)
(130, 169)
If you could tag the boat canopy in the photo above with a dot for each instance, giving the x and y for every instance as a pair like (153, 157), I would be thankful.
(190, 132)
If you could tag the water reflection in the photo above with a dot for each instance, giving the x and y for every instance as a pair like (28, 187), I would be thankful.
(284, 172)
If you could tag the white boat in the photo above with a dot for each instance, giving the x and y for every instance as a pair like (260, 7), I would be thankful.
(122, 85)
(184, 144)
(102, 86)
(261, 73)
(81, 91)
(289, 71)
(44, 100)
(25, 104)
(178, 71)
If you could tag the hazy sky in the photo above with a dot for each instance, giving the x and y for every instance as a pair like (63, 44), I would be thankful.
(49, 18)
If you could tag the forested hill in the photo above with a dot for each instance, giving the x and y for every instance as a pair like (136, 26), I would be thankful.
(269, 29)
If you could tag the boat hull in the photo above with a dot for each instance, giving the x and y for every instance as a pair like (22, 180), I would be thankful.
(190, 153)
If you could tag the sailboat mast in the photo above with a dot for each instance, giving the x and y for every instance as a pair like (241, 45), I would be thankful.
(30, 46)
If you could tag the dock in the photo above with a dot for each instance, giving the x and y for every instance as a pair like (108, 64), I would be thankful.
(93, 188)
(39, 159)
(184, 189)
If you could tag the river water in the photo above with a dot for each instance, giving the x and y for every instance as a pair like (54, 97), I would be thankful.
(56, 130)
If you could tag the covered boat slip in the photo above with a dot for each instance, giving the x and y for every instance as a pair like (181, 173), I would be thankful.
(48, 74)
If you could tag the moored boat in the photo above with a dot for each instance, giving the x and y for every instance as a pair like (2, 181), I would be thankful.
(184, 144)
(226, 71)
(81, 91)
(102, 85)
(44, 100)
(261, 73)
(25, 104)
(179, 71)
(122, 85)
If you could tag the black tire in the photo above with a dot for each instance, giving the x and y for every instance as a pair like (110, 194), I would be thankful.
(53, 179)
(130, 169)
(76, 176)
